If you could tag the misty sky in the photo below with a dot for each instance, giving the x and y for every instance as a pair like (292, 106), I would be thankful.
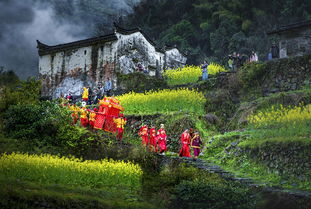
(22, 22)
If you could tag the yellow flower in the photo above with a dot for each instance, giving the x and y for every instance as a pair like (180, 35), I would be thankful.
(190, 74)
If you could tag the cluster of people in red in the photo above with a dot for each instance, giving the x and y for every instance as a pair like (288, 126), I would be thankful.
(158, 139)
(154, 139)
(190, 139)
(107, 117)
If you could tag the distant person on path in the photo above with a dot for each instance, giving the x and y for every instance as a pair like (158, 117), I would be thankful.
(90, 99)
(153, 141)
(69, 97)
(143, 133)
(269, 56)
(95, 97)
(275, 51)
(238, 61)
(230, 62)
(204, 71)
(100, 90)
(244, 59)
(162, 139)
(108, 87)
(234, 61)
(253, 57)
(195, 144)
(140, 67)
(185, 143)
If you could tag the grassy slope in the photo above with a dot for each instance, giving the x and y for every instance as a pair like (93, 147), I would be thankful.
(225, 149)
(26, 193)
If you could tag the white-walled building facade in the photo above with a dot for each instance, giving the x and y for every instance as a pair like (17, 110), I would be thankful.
(69, 67)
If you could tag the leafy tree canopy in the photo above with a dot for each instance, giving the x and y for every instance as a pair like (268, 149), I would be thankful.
(215, 28)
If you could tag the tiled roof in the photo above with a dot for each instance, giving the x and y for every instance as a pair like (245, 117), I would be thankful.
(285, 28)
(44, 49)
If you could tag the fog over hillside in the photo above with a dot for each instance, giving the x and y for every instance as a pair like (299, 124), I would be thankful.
(52, 22)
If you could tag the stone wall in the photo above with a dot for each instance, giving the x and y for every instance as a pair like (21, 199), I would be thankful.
(286, 158)
(279, 75)
(295, 42)
(286, 74)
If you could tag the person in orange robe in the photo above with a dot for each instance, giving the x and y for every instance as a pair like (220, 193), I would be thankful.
(85, 94)
(74, 113)
(120, 122)
(162, 139)
(185, 142)
(92, 117)
(83, 117)
(143, 132)
(153, 141)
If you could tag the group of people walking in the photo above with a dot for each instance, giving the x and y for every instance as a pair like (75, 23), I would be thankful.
(156, 140)
(93, 96)
(236, 60)
(90, 95)
(190, 139)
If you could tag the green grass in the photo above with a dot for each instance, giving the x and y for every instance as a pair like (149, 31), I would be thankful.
(68, 182)
(256, 141)
(70, 171)
(163, 102)
(221, 152)
(25, 194)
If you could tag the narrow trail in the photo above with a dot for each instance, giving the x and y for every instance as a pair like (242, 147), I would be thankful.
(212, 168)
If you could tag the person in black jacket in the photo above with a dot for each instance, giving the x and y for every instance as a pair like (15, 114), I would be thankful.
(275, 51)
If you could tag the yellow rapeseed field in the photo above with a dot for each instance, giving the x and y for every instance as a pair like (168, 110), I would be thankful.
(163, 101)
(70, 171)
(190, 74)
(281, 114)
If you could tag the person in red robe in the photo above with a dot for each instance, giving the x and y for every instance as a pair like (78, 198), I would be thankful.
(92, 117)
(162, 139)
(83, 117)
(185, 142)
(153, 141)
(120, 122)
(74, 109)
(143, 133)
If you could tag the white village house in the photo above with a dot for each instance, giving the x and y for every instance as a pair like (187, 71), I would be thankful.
(69, 67)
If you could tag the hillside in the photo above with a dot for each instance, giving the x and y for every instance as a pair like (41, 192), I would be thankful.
(254, 124)
(215, 29)
(248, 121)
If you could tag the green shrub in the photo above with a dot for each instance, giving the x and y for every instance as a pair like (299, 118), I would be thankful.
(197, 194)
(46, 123)
(22, 92)
(252, 72)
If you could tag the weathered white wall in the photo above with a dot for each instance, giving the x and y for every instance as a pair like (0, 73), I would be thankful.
(174, 58)
(69, 85)
(70, 70)
(78, 58)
